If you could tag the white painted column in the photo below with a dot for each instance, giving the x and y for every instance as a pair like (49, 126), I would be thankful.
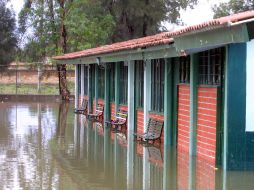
(89, 92)
(131, 98)
(76, 86)
(82, 80)
(146, 169)
(147, 107)
(75, 133)
(131, 124)
(147, 90)
(82, 138)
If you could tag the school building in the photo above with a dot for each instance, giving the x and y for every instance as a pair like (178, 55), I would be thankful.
(198, 80)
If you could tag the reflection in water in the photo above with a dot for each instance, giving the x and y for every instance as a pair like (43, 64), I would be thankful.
(44, 146)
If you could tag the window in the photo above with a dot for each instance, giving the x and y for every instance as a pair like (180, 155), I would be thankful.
(112, 82)
(157, 80)
(139, 81)
(210, 66)
(92, 78)
(184, 69)
(123, 91)
(101, 82)
(85, 80)
(79, 79)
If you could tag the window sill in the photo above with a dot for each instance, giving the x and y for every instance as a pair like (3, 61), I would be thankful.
(140, 109)
(157, 113)
(208, 85)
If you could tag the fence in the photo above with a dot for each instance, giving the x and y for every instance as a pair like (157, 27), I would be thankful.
(33, 79)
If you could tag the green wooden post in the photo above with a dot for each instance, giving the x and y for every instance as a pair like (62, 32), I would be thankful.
(107, 94)
(117, 80)
(90, 98)
(106, 118)
(235, 108)
(175, 102)
(193, 103)
(96, 84)
(168, 103)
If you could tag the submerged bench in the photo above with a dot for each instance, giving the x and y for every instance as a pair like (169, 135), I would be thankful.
(98, 114)
(153, 131)
(83, 108)
(120, 120)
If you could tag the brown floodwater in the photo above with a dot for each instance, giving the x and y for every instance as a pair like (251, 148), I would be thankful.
(47, 146)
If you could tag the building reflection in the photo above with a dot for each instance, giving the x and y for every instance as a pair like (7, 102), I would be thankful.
(114, 160)
(55, 149)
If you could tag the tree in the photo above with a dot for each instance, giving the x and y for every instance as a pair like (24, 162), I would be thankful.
(8, 40)
(144, 17)
(88, 24)
(57, 26)
(233, 6)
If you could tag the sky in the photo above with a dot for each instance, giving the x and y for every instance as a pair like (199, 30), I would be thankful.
(202, 12)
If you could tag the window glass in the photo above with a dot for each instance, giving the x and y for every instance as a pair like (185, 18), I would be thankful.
(210, 66)
(139, 80)
(157, 85)
(101, 82)
(123, 84)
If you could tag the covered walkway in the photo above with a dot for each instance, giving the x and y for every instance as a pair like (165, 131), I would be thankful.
(193, 79)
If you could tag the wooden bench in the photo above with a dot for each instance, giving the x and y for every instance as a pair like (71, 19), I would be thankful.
(98, 114)
(153, 131)
(120, 120)
(83, 108)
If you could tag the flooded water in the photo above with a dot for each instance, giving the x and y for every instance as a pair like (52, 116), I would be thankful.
(46, 146)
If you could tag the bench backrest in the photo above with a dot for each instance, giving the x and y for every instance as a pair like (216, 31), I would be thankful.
(83, 104)
(121, 116)
(155, 127)
(100, 109)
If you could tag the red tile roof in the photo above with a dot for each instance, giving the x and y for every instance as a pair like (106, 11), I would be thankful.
(158, 39)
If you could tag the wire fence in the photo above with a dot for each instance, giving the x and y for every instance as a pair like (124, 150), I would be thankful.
(35, 78)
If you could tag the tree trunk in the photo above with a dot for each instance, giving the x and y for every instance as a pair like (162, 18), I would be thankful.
(145, 24)
(64, 92)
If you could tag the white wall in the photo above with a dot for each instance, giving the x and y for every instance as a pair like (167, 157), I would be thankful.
(250, 87)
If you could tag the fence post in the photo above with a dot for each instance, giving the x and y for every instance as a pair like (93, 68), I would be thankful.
(39, 79)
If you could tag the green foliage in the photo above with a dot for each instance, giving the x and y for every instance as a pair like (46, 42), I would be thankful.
(8, 39)
(37, 30)
(233, 6)
(46, 24)
(88, 25)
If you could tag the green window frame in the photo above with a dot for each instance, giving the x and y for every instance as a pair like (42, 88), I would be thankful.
(211, 66)
(184, 70)
(157, 85)
(85, 80)
(112, 82)
(101, 82)
(139, 83)
(123, 93)
(92, 77)
(79, 80)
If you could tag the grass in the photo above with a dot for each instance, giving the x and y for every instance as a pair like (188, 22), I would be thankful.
(46, 89)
